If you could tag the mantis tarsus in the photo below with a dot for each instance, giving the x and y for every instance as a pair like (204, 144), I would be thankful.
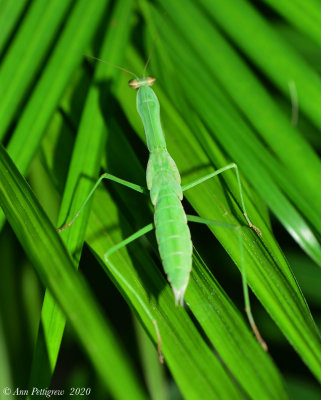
(166, 193)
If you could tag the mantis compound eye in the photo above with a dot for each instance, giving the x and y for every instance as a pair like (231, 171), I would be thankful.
(137, 83)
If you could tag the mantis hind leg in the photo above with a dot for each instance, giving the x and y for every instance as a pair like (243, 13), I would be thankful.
(128, 286)
(194, 218)
(215, 173)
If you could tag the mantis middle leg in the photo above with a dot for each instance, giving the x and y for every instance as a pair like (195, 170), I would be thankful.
(123, 243)
(215, 173)
(110, 177)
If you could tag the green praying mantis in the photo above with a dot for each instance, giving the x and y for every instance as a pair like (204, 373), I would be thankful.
(166, 194)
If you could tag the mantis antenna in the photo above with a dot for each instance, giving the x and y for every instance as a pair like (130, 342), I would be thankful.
(113, 65)
(150, 56)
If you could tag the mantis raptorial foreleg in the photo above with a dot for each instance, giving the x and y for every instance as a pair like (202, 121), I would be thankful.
(194, 218)
(217, 172)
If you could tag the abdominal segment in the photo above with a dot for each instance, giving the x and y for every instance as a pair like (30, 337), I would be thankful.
(174, 240)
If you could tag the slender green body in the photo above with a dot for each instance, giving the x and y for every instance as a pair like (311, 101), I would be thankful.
(170, 221)
(164, 182)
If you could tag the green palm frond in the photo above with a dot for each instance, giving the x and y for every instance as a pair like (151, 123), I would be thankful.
(230, 78)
